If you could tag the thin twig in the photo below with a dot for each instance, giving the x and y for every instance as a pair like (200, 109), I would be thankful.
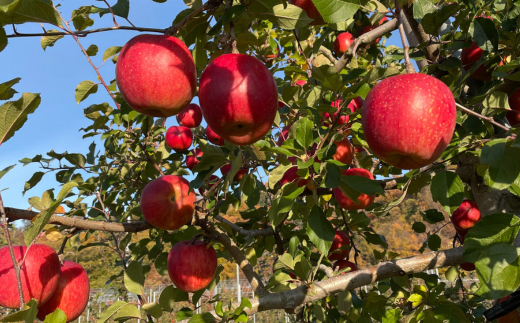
(112, 12)
(309, 66)
(407, 63)
(11, 251)
(83, 33)
(488, 119)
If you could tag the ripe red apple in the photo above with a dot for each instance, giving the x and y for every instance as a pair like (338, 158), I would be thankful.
(156, 75)
(471, 55)
(467, 266)
(342, 43)
(281, 105)
(179, 138)
(511, 317)
(213, 137)
(513, 116)
(239, 98)
(190, 117)
(409, 120)
(39, 274)
(72, 293)
(191, 160)
(466, 215)
(290, 176)
(366, 29)
(238, 176)
(342, 264)
(363, 199)
(310, 9)
(340, 239)
(353, 106)
(167, 203)
(284, 135)
(299, 83)
(191, 267)
(208, 184)
(344, 152)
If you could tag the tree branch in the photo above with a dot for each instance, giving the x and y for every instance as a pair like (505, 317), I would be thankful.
(83, 33)
(244, 232)
(327, 53)
(488, 119)
(431, 52)
(408, 65)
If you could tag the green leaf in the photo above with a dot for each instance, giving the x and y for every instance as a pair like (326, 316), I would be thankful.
(58, 316)
(503, 161)
(92, 50)
(37, 225)
(27, 315)
(110, 311)
(77, 160)
(328, 77)
(6, 170)
(431, 22)
(344, 302)
(320, 231)
(335, 11)
(301, 130)
(127, 312)
(447, 189)
(154, 309)
(8, 6)
(6, 90)
(392, 316)
(3, 39)
(419, 227)
(421, 8)
(35, 179)
(13, 114)
(111, 51)
(363, 185)
(170, 296)
(32, 11)
(121, 8)
(434, 242)
(484, 33)
(134, 278)
(290, 17)
(85, 89)
(202, 318)
(194, 4)
(284, 203)
(496, 99)
(277, 174)
(49, 41)
(452, 273)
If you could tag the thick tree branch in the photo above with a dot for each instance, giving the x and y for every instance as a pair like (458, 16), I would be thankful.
(408, 65)
(327, 53)
(18, 214)
(84, 33)
(244, 232)
(366, 38)
(234, 250)
(412, 40)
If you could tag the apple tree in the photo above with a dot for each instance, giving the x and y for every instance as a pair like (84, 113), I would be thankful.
(308, 117)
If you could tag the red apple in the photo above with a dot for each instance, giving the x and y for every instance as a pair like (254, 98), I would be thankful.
(272, 53)
(511, 317)
(340, 239)
(213, 137)
(284, 135)
(471, 55)
(156, 75)
(72, 293)
(179, 138)
(281, 105)
(310, 9)
(239, 98)
(342, 264)
(342, 43)
(467, 266)
(191, 267)
(299, 83)
(238, 176)
(191, 160)
(342, 119)
(190, 117)
(409, 119)
(355, 104)
(290, 176)
(39, 274)
(344, 152)
(167, 203)
(209, 183)
(363, 199)
(513, 116)
(466, 215)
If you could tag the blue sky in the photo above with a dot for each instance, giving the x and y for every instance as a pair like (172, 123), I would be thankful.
(55, 73)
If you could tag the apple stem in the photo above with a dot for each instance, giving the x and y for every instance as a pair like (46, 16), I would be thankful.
(11, 251)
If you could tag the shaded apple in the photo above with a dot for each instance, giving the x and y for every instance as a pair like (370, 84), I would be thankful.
(191, 267)
(284, 135)
(409, 119)
(467, 266)
(344, 152)
(167, 203)
(310, 9)
(39, 274)
(363, 199)
(342, 264)
(281, 105)
(340, 239)
(179, 138)
(290, 176)
(342, 43)
(156, 75)
(71, 295)
(213, 137)
(466, 216)
(190, 117)
(471, 55)
(191, 160)
(513, 116)
(238, 176)
(239, 98)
